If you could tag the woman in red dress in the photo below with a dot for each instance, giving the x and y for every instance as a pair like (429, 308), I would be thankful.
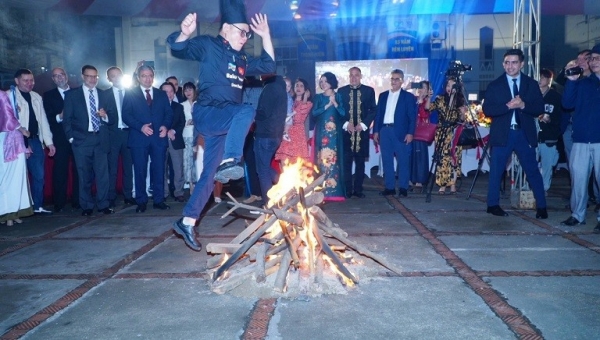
(297, 146)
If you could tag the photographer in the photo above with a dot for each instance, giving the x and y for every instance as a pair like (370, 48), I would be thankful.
(583, 96)
(549, 122)
(514, 100)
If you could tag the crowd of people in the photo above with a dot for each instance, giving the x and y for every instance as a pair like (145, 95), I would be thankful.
(221, 130)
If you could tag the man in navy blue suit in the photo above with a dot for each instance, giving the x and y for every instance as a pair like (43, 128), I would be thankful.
(393, 130)
(148, 114)
(514, 101)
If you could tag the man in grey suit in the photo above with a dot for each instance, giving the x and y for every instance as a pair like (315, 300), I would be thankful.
(88, 116)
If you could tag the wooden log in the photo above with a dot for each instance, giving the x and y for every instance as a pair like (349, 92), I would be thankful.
(249, 230)
(288, 216)
(322, 217)
(282, 273)
(290, 243)
(222, 248)
(272, 270)
(319, 269)
(334, 258)
(260, 263)
(315, 211)
(234, 281)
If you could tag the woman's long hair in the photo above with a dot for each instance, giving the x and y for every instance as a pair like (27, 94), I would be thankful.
(459, 98)
(190, 85)
(306, 88)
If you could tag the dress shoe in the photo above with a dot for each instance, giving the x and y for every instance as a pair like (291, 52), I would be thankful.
(387, 192)
(348, 194)
(229, 171)
(107, 211)
(496, 211)
(571, 222)
(179, 199)
(111, 204)
(87, 212)
(42, 211)
(597, 229)
(402, 192)
(161, 206)
(129, 201)
(358, 194)
(541, 213)
(141, 208)
(188, 233)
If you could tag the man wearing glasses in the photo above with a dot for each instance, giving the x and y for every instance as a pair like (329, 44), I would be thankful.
(583, 95)
(87, 117)
(53, 104)
(394, 129)
(219, 115)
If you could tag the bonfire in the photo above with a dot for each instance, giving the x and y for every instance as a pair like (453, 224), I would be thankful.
(292, 237)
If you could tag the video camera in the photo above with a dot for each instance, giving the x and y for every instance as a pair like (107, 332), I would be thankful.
(574, 71)
(457, 69)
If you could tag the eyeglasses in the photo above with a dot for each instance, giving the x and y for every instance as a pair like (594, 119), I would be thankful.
(243, 33)
(595, 58)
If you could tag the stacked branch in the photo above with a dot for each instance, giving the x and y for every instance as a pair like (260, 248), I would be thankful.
(292, 235)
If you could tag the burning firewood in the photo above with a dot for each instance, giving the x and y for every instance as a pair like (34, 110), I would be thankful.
(287, 238)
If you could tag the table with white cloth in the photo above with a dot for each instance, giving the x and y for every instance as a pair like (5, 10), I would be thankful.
(470, 157)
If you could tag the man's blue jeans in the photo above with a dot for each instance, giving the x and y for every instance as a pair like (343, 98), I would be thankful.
(264, 150)
(224, 131)
(35, 166)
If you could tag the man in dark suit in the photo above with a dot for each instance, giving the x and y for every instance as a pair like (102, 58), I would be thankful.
(514, 101)
(394, 129)
(176, 143)
(118, 142)
(88, 116)
(53, 105)
(179, 97)
(359, 101)
(147, 112)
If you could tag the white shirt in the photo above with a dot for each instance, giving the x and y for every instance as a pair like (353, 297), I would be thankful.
(188, 130)
(390, 107)
(62, 94)
(144, 92)
(119, 108)
(86, 95)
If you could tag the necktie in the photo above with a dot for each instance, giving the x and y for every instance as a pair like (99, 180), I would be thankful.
(516, 93)
(123, 126)
(148, 97)
(93, 113)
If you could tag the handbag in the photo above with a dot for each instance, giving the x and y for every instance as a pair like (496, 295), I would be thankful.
(425, 132)
(467, 137)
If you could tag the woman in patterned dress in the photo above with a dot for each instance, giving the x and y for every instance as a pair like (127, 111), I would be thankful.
(297, 146)
(329, 117)
(449, 167)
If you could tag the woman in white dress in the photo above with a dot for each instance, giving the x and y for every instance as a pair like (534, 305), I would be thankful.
(189, 91)
(15, 198)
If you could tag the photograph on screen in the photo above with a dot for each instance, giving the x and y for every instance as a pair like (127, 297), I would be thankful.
(375, 73)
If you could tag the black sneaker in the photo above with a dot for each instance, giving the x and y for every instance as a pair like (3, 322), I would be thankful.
(229, 171)
(597, 229)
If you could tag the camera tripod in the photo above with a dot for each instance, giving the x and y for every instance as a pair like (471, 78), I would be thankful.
(458, 88)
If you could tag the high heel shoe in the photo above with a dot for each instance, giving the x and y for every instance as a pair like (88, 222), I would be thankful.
(452, 189)
(442, 191)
